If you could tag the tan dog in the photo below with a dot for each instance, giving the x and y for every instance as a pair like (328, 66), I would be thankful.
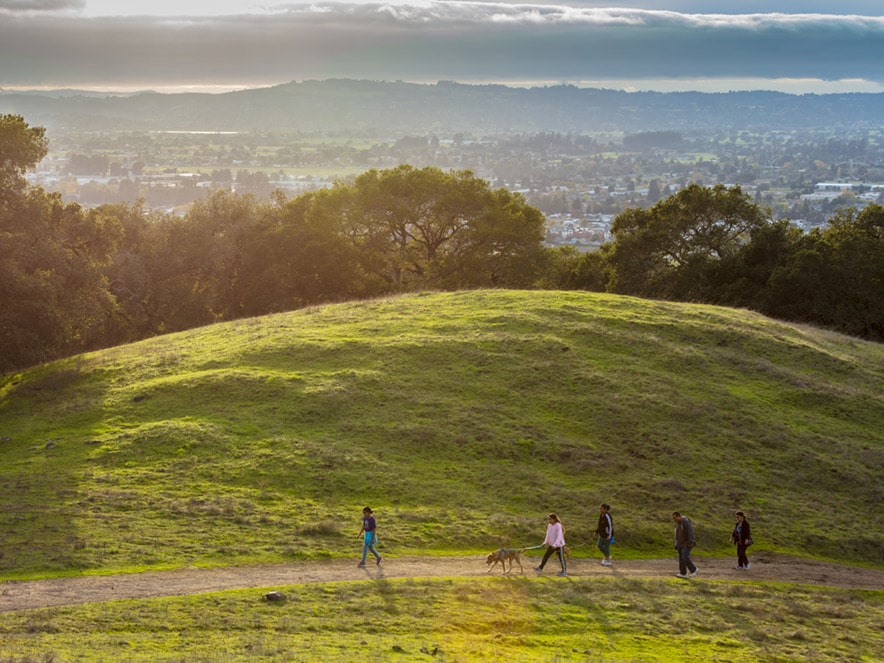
(504, 555)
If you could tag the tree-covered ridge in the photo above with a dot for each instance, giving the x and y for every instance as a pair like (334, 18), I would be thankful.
(398, 108)
(73, 279)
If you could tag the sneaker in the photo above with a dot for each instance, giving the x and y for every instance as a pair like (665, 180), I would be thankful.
(739, 568)
(680, 575)
(539, 569)
(562, 574)
(694, 573)
(379, 561)
(606, 562)
(748, 564)
(361, 564)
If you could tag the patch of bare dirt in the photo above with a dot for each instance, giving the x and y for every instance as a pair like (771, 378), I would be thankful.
(24, 595)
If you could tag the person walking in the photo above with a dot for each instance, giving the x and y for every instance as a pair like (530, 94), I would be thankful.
(684, 543)
(742, 536)
(605, 532)
(555, 542)
(369, 534)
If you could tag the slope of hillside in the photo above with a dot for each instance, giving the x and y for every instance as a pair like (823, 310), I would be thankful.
(461, 418)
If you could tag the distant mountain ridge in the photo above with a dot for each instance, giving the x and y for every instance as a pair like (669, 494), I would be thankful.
(399, 108)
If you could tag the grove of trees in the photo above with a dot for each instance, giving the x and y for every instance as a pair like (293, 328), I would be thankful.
(716, 246)
(75, 279)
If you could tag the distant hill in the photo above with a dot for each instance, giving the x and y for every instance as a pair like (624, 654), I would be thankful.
(396, 108)
(462, 418)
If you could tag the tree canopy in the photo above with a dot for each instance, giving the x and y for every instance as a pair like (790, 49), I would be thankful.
(73, 279)
(21, 148)
(832, 276)
(425, 228)
(669, 249)
(53, 291)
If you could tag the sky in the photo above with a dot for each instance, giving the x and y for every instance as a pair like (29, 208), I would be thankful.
(798, 46)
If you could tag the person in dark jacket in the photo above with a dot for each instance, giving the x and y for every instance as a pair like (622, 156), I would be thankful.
(605, 532)
(742, 536)
(684, 543)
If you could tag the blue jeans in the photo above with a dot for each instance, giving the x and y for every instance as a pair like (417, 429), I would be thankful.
(684, 561)
(368, 544)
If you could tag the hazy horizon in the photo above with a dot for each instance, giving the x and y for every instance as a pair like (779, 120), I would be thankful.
(710, 86)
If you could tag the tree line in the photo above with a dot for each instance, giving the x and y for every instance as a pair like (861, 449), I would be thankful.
(715, 246)
(75, 279)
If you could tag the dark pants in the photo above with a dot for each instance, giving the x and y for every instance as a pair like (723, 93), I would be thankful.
(742, 559)
(549, 551)
(685, 563)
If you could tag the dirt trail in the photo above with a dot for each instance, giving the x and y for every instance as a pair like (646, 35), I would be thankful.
(24, 595)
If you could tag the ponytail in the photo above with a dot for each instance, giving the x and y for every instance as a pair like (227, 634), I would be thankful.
(556, 519)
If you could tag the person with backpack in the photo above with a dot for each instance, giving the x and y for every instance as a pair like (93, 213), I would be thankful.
(684, 543)
(555, 542)
(742, 537)
(605, 532)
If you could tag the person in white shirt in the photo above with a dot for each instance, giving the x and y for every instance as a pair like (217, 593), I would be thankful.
(555, 542)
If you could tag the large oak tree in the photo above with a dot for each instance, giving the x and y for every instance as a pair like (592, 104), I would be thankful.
(672, 249)
(425, 228)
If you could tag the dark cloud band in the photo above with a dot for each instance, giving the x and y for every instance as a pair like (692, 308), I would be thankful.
(445, 40)
(40, 5)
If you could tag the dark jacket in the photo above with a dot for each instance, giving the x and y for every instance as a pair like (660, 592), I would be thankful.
(742, 533)
(684, 534)
(605, 530)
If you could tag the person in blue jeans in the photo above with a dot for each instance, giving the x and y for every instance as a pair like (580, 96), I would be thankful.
(684, 543)
(369, 534)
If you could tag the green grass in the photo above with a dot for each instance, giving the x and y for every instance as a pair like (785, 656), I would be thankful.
(461, 418)
(487, 619)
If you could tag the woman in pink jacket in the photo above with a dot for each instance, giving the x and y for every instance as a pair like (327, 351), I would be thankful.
(555, 542)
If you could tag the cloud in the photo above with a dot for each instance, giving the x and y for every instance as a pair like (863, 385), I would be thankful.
(40, 5)
(863, 7)
(467, 41)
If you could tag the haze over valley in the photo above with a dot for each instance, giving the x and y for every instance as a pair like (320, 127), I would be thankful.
(580, 155)
(585, 107)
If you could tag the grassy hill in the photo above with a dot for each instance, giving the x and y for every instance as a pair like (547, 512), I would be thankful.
(461, 418)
